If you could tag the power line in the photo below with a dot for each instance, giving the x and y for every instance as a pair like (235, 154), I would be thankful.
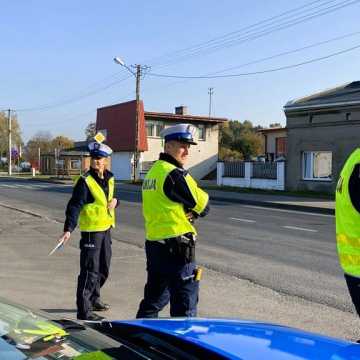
(289, 52)
(274, 56)
(74, 99)
(251, 35)
(196, 46)
(257, 72)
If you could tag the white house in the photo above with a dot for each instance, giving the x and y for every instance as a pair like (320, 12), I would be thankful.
(118, 121)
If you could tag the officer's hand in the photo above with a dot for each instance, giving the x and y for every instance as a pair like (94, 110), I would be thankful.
(190, 216)
(112, 204)
(65, 237)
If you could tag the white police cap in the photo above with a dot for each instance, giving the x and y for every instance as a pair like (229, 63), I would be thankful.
(181, 132)
(99, 150)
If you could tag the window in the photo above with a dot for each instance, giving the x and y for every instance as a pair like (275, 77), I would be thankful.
(158, 129)
(149, 129)
(154, 128)
(317, 165)
(60, 164)
(348, 116)
(280, 146)
(201, 132)
(75, 164)
(311, 118)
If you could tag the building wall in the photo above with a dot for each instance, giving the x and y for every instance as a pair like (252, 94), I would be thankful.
(271, 140)
(202, 158)
(328, 131)
(121, 163)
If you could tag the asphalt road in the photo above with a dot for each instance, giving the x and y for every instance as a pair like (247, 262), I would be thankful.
(291, 252)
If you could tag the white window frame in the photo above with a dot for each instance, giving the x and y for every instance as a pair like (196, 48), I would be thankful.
(204, 132)
(312, 155)
(154, 124)
(78, 161)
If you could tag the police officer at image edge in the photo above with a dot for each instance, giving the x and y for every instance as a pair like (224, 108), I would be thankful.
(92, 204)
(347, 213)
(172, 201)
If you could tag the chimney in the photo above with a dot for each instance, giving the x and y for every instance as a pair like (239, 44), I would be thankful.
(181, 110)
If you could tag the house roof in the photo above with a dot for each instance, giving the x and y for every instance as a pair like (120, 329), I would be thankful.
(343, 95)
(273, 129)
(119, 122)
(150, 115)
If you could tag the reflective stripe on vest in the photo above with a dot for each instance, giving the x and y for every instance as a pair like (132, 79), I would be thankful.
(165, 218)
(96, 216)
(348, 220)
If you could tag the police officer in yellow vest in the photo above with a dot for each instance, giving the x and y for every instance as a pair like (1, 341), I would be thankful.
(93, 204)
(348, 224)
(171, 202)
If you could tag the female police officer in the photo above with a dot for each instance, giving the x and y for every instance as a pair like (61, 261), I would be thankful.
(171, 200)
(93, 203)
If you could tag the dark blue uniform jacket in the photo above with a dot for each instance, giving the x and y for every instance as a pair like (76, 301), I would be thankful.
(82, 195)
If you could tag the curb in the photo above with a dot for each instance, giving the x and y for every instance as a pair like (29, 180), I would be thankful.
(304, 208)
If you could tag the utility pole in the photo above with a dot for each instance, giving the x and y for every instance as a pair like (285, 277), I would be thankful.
(39, 160)
(136, 154)
(9, 143)
(210, 92)
(139, 71)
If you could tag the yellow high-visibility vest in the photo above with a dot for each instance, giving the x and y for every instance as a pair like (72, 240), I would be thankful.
(348, 220)
(165, 218)
(96, 216)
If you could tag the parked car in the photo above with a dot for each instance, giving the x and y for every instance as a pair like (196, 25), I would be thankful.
(25, 334)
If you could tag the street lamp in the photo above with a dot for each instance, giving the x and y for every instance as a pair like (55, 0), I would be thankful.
(137, 75)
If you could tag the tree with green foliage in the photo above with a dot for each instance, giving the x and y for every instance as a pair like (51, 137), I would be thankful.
(90, 131)
(44, 141)
(239, 141)
(4, 133)
(61, 142)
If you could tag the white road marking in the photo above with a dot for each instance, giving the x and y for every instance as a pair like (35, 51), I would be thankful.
(243, 220)
(299, 228)
(288, 211)
(33, 186)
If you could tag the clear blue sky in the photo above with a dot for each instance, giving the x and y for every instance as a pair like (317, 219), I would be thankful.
(54, 52)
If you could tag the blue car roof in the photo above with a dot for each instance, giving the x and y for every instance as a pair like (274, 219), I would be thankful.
(237, 339)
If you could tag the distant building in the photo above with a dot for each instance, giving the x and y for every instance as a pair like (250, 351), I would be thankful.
(68, 162)
(275, 143)
(322, 129)
(117, 122)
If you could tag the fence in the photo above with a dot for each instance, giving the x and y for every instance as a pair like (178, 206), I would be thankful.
(257, 175)
(261, 170)
(234, 169)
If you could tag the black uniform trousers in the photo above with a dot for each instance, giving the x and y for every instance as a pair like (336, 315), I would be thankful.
(166, 281)
(353, 284)
(95, 257)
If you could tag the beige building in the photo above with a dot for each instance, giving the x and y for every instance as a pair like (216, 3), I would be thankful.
(203, 157)
(275, 143)
(118, 122)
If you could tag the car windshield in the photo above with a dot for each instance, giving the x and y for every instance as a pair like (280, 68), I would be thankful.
(28, 335)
